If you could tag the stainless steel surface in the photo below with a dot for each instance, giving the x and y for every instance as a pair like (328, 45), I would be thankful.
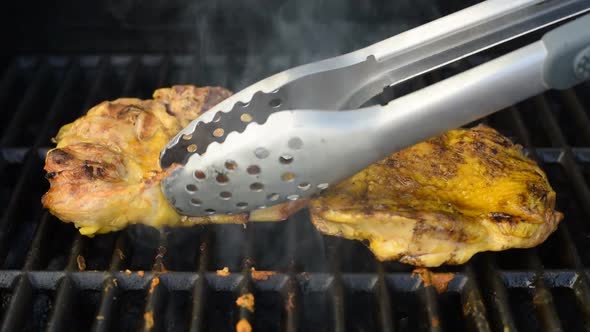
(349, 80)
(298, 153)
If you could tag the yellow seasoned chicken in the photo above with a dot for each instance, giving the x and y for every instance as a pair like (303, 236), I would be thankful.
(443, 200)
(440, 201)
(104, 173)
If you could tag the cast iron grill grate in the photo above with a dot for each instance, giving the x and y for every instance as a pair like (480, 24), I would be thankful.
(53, 279)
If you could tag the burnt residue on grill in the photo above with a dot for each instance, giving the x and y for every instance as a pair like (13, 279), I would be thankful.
(502, 217)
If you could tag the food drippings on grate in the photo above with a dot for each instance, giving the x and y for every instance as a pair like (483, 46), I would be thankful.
(261, 275)
(246, 301)
(223, 272)
(243, 325)
(440, 281)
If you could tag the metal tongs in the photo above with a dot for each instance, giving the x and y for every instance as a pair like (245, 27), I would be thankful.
(277, 140)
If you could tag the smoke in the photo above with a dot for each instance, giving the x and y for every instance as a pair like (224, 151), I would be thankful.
(240, 43)
(235, 44)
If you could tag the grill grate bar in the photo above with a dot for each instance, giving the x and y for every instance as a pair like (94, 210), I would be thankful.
(386, 316)
(25, 108)
(581, 286)
(110, 288)
(473, 305)
(497, 297)
(542, 298)
(573, 104)
(428, 297)
(566, 159)
(336, 287)
(19, 193)
(157, 291)
(582, 293)
(36, 256)
(291, 291)
(104, 318)
(65, 299)
(245, 286)
(156, 301)
(64, 305)
(93, 95)
(200, 286)
(16, 314)
(22, 297)
(317, 281)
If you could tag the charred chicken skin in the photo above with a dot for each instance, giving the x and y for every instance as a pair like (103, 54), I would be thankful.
(443, 200)
(104, 173)
(440, 201)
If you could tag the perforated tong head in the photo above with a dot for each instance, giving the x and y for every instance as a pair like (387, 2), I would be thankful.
(280, 139)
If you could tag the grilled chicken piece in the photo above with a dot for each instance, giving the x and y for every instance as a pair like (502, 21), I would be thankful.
(440, 201)
(443, 200)
(104, 173)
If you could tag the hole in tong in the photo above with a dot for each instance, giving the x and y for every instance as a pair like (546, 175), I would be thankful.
(218, 132)
(231, 165)
(293, 197)
(242, 205)
(191, 148)
(186, 137)
(200, 175)
(275, 102)
(221, 178)
(256, 186)
(286, 159)
(196, 202)
(191, 188)
(261, 153)
(246, 117)
(304, 186)
(217, 117)
(295, 143)
(253, 169)
(225, 195)
(210, 211)
(273, 197)
(288, 176)
(323, 186)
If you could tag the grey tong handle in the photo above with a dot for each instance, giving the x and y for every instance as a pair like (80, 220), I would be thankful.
(559, 61)
(332, 146)
(349, 80)
(303, 148)
(568, 54)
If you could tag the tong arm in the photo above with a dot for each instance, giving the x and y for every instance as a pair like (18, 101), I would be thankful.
(296, 154)
(349, 80)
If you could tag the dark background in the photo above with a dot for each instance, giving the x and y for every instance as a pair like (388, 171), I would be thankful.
(210, 26)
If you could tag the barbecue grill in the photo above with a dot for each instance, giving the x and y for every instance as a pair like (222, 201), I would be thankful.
(52, 278)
